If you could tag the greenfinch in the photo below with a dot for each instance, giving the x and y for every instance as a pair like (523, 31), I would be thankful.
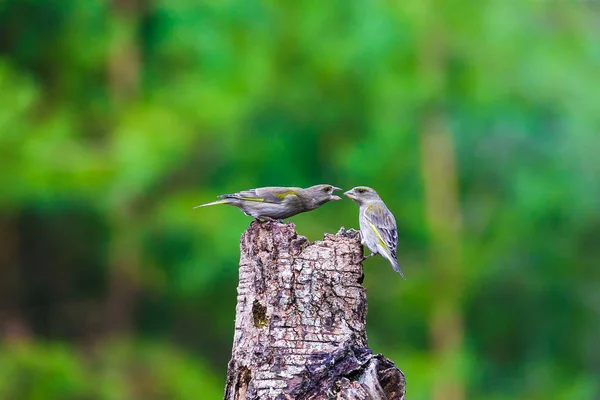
(377, 224)
(277, 203)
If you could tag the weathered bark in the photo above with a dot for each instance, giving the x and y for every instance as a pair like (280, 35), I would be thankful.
(300, 321)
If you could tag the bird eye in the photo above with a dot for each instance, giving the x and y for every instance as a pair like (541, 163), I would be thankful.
(361, 190)
(327, 189)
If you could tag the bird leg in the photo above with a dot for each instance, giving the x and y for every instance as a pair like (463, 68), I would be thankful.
(369, 256)
(272, 219)
(362, 238)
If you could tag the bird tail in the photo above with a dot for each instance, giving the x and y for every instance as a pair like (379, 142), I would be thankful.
(396, 267)
(224, 201)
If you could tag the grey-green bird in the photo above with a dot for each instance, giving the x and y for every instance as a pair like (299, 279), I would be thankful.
(276, 203)
(377, 224)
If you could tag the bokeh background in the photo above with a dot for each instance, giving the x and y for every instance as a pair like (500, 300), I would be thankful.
(477, 122)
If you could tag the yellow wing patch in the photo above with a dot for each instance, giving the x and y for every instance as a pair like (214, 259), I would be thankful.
(283, 195)
(381, 241)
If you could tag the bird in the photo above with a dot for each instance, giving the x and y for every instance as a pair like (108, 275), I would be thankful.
(276, 203)
(378, 228)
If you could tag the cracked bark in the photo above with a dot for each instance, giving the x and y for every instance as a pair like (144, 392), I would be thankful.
(300, 321)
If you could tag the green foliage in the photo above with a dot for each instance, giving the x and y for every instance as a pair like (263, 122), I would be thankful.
(116, 120)
(43, 372)
(113, 371)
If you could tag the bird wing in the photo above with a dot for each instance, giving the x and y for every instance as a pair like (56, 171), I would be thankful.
(383, 224)
(274, 194)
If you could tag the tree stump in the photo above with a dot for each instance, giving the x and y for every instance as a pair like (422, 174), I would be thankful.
(300, 321)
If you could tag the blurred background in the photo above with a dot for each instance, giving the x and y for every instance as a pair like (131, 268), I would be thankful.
(477, 122)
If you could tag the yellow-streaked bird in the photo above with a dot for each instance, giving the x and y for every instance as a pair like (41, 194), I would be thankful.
(377, 224)
(276, 203)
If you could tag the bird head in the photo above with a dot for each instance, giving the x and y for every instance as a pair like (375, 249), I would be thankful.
(362, 195)
(321, 194)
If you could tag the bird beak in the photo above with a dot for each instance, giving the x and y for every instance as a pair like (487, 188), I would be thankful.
(334, 197)
(350, 194)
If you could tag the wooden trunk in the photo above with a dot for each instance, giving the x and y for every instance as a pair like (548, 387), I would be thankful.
(300, 321)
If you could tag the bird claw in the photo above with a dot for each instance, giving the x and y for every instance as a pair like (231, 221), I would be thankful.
(269, 219)
(369, 256)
